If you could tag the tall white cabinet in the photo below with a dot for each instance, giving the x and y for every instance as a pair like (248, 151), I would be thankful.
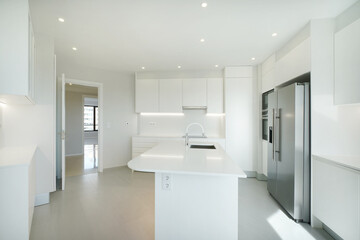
(17, 58)
(17, 188)
(239, 109)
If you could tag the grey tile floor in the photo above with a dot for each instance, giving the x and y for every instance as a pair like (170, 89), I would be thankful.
(117, 204)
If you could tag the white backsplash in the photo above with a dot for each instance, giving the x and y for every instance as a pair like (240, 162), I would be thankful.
(174, 126)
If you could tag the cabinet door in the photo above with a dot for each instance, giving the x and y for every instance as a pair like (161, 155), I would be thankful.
(336, 198)
(215, 102)
(194, 92)
(268, 73)
(17, 53)
(146, 95)
(294, 64)
(347, 60)
(170, 95)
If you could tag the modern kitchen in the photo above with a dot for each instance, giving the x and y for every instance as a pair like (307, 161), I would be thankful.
(209, 119)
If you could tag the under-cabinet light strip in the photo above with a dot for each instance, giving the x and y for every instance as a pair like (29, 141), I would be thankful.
(162, 114)
(215, 114)
(162, 156)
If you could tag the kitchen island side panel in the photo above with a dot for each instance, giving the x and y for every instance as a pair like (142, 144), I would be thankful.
(196, 207)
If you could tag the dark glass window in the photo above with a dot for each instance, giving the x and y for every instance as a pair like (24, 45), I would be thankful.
(91, 118)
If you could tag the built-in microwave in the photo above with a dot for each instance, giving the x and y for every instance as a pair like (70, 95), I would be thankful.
(264, 117)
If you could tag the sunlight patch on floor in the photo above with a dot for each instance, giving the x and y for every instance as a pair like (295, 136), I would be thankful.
(287, 228)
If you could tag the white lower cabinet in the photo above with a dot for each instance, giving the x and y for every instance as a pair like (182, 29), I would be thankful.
(336, 197)
(17, 191)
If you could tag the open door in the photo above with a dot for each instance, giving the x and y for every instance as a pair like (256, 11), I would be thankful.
(63, 131)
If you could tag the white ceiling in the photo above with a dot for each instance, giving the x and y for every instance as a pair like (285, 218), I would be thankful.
(124, 35)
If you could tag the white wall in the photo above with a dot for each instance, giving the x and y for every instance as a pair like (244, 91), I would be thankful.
(35, 124)
(74, 123)
(176, 125)
(119, 109)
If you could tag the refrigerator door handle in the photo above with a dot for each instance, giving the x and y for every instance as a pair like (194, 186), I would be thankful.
(278, 133)
(274, 133)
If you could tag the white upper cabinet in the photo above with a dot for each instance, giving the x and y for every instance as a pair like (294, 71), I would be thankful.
(347, 64)
(215, 95)
(146, 95)
(194, 92)
(170, 95)
(17, 53)
(293, 64)
(268, 74)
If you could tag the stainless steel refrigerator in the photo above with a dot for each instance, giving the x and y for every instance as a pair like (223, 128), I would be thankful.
(289, 149)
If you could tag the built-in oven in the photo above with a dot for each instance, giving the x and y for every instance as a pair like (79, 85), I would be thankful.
(264, 117)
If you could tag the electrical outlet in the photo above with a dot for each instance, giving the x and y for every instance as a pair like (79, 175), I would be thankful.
(166, 181)
(152, 123)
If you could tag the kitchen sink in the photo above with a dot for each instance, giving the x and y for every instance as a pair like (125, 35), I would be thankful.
(202, 146)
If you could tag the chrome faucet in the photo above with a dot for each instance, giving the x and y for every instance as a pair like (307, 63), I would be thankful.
(187, 132)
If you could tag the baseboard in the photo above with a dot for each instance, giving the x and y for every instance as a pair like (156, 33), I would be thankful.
(250, 174)
(41, 199)
(74, 154)
(113, 164)
(331, 232)
(254, 174)
(261, 177)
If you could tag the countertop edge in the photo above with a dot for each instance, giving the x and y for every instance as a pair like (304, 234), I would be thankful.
(332, 160)
(8, 152)
(189, 172)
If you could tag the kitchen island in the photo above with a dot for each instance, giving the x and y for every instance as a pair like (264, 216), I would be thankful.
(196, 191)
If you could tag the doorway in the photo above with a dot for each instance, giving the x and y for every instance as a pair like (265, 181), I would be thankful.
(79, 144)
(81, 127)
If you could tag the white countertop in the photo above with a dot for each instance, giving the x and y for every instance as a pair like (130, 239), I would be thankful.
(174, 157)
(352, 162)
(14, 156)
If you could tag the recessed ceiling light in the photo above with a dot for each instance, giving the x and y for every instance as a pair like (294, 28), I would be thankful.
(74, 48)
(142, 68)
(179, 66)
(274, 34)
(252, 59)
(70, 83)
(202, 40)
(216, 65)
(61, 20)
(204, 4)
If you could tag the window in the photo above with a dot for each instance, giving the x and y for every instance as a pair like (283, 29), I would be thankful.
(91, 118)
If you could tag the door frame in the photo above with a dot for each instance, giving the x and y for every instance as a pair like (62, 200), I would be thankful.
(100, 88)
